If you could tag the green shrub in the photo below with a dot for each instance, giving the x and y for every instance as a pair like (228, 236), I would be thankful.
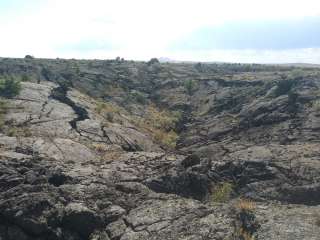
(12, 132)
(9, 87)
(296, 74)
(222, 192)
(190, 86)
(25, 78)
(139, 97)
(285, 86)
(168, 139)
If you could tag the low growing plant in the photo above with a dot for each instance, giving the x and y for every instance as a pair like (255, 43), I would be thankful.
(222, 192)
(3, 111)
(9, 87)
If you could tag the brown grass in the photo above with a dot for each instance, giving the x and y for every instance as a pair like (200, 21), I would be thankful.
(112, 155)
(246, 205)
(100, 148)
(160, 125)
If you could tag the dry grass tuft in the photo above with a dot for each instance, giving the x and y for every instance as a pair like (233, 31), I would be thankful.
(100, 148)
(246, 205)
(112, 155)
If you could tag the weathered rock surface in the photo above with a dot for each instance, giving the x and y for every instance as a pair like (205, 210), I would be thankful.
(68, 171)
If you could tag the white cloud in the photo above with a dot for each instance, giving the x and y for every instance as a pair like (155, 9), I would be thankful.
(136, 29)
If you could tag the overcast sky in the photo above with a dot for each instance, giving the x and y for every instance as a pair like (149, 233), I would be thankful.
(264, 31)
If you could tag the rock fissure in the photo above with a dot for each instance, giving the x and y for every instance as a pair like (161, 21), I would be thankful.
(60, 94)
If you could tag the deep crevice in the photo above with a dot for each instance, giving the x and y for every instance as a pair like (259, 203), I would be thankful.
(60, 94)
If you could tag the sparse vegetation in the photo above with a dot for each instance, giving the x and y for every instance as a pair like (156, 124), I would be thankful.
(14, 131)
(161, 119)
(161, 125)
(10, 129)
(110, 112)
(9, 87)
(136, 96)
(285, 86)
(190, 86)
(168, 139)
(316, 106)
(317, 220)
(99, 147)
(25, 78)
(3, 111)
(296, 73)
(246, 217)
(104, 107)
(222, 192)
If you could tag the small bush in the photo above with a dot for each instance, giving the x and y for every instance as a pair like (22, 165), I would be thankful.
(169, 139)
(107, 108)
(12, 132)
(9, 87)
(139, 97)
(165, 120)
(285, 86)
(222, 192)
(25, 78)
(100, 148)
(110, 117)
(296, 73)
(190, 86)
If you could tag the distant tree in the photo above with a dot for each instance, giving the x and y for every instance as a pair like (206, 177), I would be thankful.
(153, 61)
(29, 57)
